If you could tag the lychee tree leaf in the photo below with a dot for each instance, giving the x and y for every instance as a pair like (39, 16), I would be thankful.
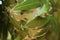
(28, 4)
(54, 26)
(37, 22)
(45, 9)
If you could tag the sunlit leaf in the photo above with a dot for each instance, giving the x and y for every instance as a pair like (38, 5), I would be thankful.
(45, 9)
(9, 36)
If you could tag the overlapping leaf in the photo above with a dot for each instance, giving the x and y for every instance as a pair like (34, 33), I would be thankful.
(29, 4)
(37, 22)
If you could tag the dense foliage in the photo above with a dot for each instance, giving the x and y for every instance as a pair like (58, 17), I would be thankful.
(30, 20)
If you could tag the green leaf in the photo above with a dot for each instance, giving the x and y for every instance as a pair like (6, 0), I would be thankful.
(47, 4)
(52, 2)
(37, 22)
(28, 4)
(44, 9)
(9, 36)
(54, 26)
